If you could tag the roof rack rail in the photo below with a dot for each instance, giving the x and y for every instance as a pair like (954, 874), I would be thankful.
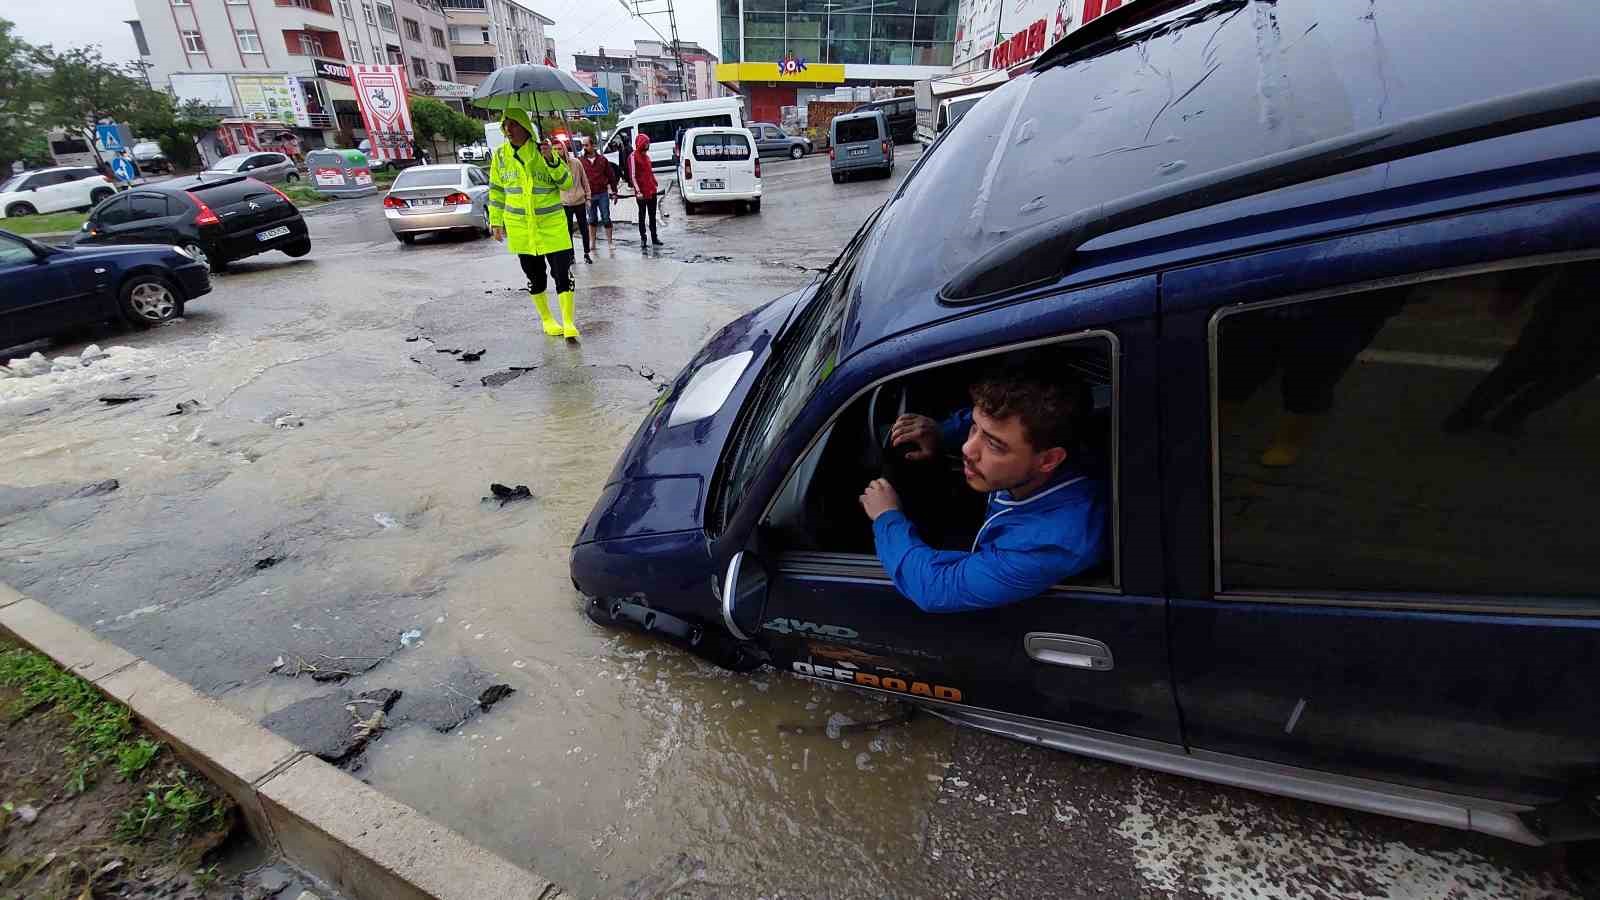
(1131, 12)
(1045, 251)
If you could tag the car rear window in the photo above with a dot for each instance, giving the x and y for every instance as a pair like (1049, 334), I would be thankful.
(721, 146)
(229, 191)
(854, 131)
(433, 178)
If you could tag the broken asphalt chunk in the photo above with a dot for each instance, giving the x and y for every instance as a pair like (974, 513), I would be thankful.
(186, 407)
(508, 494)
(473, 355)
(494, 694)
(118, 399)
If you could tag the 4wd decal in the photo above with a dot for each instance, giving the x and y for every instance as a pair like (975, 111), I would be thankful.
(886, 682)
(795, 626)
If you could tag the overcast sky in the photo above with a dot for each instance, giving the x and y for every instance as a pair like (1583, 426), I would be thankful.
(581, 25)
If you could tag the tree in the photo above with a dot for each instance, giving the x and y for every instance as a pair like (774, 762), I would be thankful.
(79, 90)
(434, 119)
(176, 128)
(18, 90)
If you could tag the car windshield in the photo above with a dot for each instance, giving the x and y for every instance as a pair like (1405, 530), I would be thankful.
(411, 178)
(12, 183)
(230, 163)
(803, 360)
(959, 109)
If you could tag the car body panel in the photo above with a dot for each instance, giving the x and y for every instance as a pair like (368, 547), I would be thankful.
(423, 214)
(852, 151)
(245, 209)
(56, 189)
(714, 159)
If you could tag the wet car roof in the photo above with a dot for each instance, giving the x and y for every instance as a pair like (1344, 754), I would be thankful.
(1194, 90)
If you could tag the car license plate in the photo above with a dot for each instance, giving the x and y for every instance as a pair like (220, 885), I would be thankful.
(426, 201)
(271, 233)
(711, 184)
(858, 151)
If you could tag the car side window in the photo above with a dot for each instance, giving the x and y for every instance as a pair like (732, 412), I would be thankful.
(147, 206)
(818, 511)
(1435, 438)
(115, 212)
(14, 252)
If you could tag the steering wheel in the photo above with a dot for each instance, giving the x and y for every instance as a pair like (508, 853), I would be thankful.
(885, 406)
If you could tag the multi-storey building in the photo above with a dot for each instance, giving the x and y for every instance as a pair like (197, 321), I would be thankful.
(487, 34)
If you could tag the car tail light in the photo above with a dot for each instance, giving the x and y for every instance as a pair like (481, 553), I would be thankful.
(688, 170)
(458, 199)
(831, 154)
(886, 148)
(205, 216)
(281, 194)
(393, 202)
(758, 167)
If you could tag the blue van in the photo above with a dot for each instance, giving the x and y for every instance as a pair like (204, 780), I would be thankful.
(1330, 273)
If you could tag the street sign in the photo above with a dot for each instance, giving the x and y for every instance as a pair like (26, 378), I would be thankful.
(110, 137)
(600, 106)
(123, 168)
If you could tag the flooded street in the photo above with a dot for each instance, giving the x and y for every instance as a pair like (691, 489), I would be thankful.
(325, 509)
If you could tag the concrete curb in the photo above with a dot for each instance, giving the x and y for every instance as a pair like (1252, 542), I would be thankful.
(366, 845)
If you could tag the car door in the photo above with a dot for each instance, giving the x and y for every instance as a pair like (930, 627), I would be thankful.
(151, 220)
(765, 139)
(1381, 499)
(1091, 654)
(109, 220)
(55, 192)
(478, 188)
(41, 293)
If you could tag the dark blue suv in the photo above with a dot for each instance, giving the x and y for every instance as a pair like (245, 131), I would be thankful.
(1331, 271)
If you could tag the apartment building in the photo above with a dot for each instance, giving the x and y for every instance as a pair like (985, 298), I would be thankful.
(487, 34)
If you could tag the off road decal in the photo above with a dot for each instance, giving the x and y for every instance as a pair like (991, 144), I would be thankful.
(885, 682)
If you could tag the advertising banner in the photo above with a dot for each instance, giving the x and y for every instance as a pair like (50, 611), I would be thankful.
(1018, 30)
(381, 97)
(977, 24)
(210, 89)
(271, 98)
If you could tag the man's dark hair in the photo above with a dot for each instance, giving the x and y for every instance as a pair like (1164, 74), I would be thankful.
(1048, 405)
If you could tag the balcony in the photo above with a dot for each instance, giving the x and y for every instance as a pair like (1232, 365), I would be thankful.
(311, 42)
(322, 6)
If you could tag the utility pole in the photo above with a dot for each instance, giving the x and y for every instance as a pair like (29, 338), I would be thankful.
(643, 10)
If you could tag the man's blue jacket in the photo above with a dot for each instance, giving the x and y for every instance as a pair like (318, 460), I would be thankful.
(1023, 548)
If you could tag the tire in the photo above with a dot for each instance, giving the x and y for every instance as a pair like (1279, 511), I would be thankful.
(796, 151)
(147, 300)
(406, 239)
(291, 178)
(99, 194)
(755, 206)
(836, 178)
(298, 250)
(199, 253)
(689, 209)
(17, 210)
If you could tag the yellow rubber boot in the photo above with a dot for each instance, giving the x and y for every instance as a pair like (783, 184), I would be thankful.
(551, 326)
(566, 316)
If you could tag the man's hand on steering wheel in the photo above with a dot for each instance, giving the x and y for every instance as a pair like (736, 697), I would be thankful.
(920, 432)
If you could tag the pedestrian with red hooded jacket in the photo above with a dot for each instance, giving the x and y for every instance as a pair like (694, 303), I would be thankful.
(644, 185)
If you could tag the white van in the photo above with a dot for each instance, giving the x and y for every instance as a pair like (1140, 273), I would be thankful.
(661, 123)
(719, 164)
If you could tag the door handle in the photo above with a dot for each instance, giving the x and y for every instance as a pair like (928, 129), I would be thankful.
(1068, 650)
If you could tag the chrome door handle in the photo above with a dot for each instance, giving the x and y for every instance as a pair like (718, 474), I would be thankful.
(1068, 650)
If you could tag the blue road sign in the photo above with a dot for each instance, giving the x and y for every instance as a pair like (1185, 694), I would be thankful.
(123, 169)
(600, 106)
(110, 137)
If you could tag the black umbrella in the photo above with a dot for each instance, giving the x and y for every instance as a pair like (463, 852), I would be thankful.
(534, 88)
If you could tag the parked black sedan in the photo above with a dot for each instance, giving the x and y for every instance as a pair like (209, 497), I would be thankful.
(45, 291)
(217, 219)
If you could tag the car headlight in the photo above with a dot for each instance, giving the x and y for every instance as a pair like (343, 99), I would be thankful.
(181, 251)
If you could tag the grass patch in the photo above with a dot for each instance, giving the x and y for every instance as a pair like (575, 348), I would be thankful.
(46, 224)
(385, 177)
(303, 194)
(173, 807)
(135, 757)
(98, 727)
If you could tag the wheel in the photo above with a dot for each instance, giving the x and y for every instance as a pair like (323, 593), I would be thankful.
(292, 177)
(99, 194)
(17, 210)
(755, 205)
(406, 238)
(484, 230)
(199, 254)
(149, 300)
(796, 151)
(836, 178)
(689, 209)
(298, 249)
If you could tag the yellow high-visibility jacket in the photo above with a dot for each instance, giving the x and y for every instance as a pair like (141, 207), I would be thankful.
(525, 199)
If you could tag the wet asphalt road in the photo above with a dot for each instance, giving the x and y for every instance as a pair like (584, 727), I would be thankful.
(321, 513)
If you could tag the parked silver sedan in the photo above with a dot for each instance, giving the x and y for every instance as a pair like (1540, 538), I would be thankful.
(445, 197)
(269, 167)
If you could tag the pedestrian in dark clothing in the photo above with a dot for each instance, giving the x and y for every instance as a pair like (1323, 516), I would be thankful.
(602, 190)
(647, 191)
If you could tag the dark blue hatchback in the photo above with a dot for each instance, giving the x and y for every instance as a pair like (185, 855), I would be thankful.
(1329, 270)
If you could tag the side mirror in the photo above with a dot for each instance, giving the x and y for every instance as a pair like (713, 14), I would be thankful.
(744, 595)
(85, 226)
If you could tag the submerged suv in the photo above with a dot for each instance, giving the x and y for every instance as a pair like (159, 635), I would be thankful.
(1334, 297)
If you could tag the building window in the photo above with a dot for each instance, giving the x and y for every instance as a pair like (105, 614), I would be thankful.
(444, 72)
(438, 37)
(464, 4)
(386, 17)
(249, 41)
(476, 64)
(310, 44)
(413, 30)
(419, 67)
(355, 52)
(344, 7)
(193, 43)
(485, 35)
(180, 2)
(366, 10)
(238, 2)
(1422, 439)
(396, 58)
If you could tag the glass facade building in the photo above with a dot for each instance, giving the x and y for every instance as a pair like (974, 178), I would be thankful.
(876, 32)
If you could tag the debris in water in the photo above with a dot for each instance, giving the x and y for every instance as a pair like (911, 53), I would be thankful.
(267, 562)
(92, 353)
(288, 421)
(386, 520)
(186, 407)
(413, 339)
(96, 489)
(117, 399)
(508, 494)
(27, 814)
(276, 664)
(499, 378)
(494, 694)
(473, 355)
(407, 638)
